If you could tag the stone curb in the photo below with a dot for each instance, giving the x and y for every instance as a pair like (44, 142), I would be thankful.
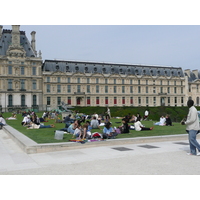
(30, 147)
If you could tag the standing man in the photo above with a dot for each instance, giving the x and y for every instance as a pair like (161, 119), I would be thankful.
(108, 112)
(192, 128)
(146, 114)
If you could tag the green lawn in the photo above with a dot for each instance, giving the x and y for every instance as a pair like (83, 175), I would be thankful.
(46, 135)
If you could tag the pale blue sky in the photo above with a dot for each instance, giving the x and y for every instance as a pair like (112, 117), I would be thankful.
(162, 45)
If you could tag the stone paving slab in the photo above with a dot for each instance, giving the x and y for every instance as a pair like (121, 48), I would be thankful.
(29, 146)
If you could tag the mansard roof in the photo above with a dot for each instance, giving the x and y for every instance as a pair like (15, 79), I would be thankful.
(192, 76)
(6, 40)
(110, 68)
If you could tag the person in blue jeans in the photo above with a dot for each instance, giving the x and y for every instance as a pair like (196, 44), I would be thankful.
(35, 126)
(192, 128)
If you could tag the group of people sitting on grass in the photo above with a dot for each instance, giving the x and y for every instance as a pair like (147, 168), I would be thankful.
(79, 128)
(32, 121)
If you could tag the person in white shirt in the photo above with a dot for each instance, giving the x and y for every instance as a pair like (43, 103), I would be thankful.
(192, 128)
(146, 114)
(139, 127)
(161, 122)
(26, 120)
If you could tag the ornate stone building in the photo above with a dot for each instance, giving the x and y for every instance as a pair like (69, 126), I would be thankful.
(20, 70)
(28, 82)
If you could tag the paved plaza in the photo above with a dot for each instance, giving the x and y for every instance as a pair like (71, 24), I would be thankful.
(155, 158)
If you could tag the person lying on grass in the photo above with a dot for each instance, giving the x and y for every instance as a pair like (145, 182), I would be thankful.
(35, 126)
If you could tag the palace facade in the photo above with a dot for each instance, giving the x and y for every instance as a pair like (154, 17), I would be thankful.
(26, 81)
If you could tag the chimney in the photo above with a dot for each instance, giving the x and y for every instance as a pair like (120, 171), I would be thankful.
(1, 30)
(15, 35)
(33, 40)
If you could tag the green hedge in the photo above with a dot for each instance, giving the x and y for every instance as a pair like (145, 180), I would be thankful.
(176, 113)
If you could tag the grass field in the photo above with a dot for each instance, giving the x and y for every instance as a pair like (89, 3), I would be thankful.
(46, 135)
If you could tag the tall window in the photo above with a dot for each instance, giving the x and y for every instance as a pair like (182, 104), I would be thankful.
(88, 80)
(48, 101)
(123, 89)
(97, 80)
(123, 100)
(34, 100)
(174, 90)
(97, 89)
(106, 100)
(97, 100)
(122, 81)
(147, 100)
(147, 90)
(48, 88)
(10, 83)
(161, 89)
(115, 100)
(58, 100)
(182, 100)
(58, 88)
(33, 70)
(68, 80)
(115, 89)
(106, 81)
(22, 100)
(78, 80)
(106, 89)
(131, 81)
(139, 100)
(131, 89)
(69, 100)
(115, 81)
(88, 88)
(78, 88)
(69, 88)
(131, 100)
(58, 79)
(154, 101)
(175, 100)
(22, 81)
(10, 100)
(139, 89)
(48, 79)
(88, 100)
(154, 90)
(22, 70)
(34, 86)
(168, 89)
(168, 100)
(9, 69)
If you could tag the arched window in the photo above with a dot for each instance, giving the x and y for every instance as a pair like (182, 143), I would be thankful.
(10, 100)
(34, 100)
(22, 100)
